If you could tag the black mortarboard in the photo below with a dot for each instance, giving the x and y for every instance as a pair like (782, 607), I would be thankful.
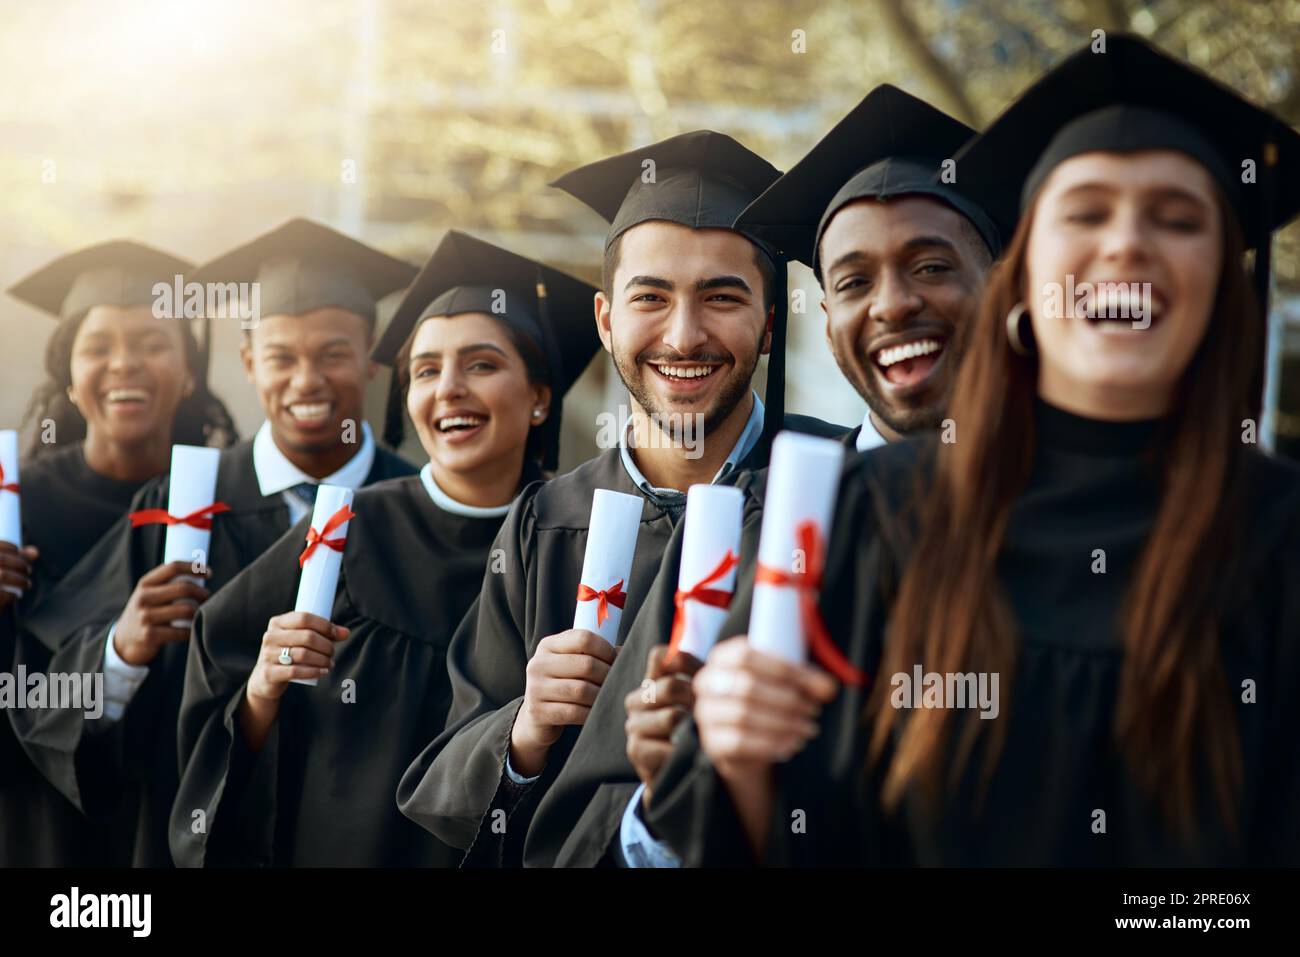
(303, 265)
(890, 144)
(1132, 97)
(115, 273)
(465, 274)
(703, 180)
(120, 272)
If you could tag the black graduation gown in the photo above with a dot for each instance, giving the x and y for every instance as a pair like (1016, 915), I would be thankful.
(452, 787)
(66, 508)
(125, 777)
(1089, 489)
(320, 792)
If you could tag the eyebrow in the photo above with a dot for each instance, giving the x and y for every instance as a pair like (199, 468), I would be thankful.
(916, 242)
(1162, 191)
(701, 285)
(476, 347)
(287, 344)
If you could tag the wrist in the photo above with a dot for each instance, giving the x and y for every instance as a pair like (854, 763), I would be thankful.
(527, 757)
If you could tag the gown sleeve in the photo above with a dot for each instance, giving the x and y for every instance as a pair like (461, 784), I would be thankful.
(65, 632)
(225, 808)
(457, 788)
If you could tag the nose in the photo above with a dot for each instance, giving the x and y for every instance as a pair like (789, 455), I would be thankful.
(451, 383)
(307, 377)
(895, 301)
(1124, 237)
(685, 331)
(123, 358)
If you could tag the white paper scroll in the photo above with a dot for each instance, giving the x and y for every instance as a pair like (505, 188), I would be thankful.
(607, 563)
(713, 516)
(193, 486)
(802, 481)
(11, 517)
(320, 573)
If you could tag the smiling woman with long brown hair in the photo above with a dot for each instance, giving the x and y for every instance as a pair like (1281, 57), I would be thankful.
(1101, 562)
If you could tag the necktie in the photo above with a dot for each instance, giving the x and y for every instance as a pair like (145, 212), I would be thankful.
(304, 492)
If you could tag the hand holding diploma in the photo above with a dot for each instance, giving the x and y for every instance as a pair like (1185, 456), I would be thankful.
(160, 612)
(307, 641)
(15, 560)
(754, 710)
(655, 709)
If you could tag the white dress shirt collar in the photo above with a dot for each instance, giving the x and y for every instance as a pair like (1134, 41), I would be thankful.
(449, 504)
(868, 437)
(275, 473)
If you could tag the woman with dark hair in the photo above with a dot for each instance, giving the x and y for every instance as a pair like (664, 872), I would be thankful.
(1081, 615)
(122, 386)
(289, 775)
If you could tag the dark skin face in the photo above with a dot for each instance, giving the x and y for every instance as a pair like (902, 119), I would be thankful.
(128, 376)
(310, 372)
(900, 278)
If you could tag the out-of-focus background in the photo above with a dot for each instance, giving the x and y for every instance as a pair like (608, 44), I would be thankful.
(195, 124)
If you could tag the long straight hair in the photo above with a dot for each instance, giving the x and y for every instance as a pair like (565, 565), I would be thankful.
(952, 615)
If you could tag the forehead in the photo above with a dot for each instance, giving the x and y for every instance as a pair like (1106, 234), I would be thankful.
(1138, 171)
(680, 253)
(448, 334)
(317, 325)
(879, 227)
(130, 320)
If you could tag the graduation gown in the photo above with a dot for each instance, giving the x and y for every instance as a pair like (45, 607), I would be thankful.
(452, 786)
(1090, 488)
(66, 508)
(125, 776)
(320, 791)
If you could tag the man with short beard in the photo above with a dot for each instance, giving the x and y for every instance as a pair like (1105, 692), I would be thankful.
(687, 307)
(901, 256)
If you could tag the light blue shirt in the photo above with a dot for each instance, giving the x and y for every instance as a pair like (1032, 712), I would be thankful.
(749, 437)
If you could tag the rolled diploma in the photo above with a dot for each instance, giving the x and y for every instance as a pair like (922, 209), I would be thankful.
(320, 574)
(611, 544)
(713, 515)
(11, 516)
(193, 486)
(802, 481)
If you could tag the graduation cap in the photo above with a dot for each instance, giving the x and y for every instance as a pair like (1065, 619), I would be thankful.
(115, 273)
(465, 274)
(703, 180)
(890, 144)
(303, 265)
(1133, 97)
(120, 272)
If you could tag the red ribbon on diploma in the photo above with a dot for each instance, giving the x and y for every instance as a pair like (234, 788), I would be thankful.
(201, 519)
(11, 487)
(315, 538)
(604, 598)
(702, 593)
(809, 583)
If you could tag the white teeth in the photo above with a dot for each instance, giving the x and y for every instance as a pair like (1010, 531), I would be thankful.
(908, 350)
(309, 410)
(1120, 301)
(456, 421)
(686, 372)
(128, 395)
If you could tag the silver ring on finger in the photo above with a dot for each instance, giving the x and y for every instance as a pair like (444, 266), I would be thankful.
(285, 657)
